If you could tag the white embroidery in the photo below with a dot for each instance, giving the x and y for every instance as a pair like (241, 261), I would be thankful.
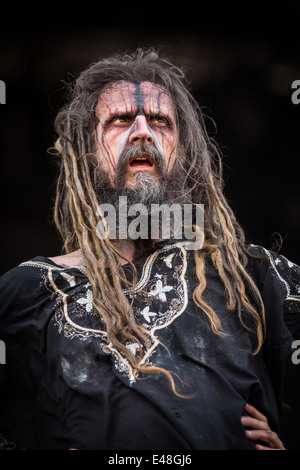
(133, 347)
(68, 278)
(168, 260)
(87, 301)
(146, 314)
(160, 291)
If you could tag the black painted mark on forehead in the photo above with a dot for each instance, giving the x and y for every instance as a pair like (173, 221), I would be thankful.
(160, 97)
(159, 102)
(139, 98)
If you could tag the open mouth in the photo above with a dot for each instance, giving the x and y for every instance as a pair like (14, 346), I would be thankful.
(141, 161)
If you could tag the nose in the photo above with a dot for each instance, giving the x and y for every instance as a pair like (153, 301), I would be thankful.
(141, 132)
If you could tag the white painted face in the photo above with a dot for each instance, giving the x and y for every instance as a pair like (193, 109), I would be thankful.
(131, 115)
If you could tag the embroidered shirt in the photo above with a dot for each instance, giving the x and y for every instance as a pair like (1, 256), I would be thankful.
(67, 386)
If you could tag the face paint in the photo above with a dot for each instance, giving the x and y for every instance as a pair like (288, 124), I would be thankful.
(132, 129)
(131, 114)
(139, 98)
(156, 141)
(124, 139)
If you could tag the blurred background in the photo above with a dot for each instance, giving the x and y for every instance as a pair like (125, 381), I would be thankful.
(241, 62)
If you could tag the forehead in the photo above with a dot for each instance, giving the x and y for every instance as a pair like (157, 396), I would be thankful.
(134, 97)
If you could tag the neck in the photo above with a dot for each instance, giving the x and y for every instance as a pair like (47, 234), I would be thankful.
(132, 249)
(127, 249)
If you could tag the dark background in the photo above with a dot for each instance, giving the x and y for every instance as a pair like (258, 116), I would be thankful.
(241, 62)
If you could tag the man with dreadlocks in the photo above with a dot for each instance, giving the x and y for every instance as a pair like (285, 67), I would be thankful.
(144, 343)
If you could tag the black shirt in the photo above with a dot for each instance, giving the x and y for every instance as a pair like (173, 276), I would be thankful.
(68, 387)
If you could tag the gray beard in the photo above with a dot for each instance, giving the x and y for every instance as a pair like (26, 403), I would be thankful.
(146, 190)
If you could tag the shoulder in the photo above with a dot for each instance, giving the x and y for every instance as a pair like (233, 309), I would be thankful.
(274, 268)
(28, 291)
(24, 275)
(30, 275)
(23, 284)
(23, 294)
(70, 259)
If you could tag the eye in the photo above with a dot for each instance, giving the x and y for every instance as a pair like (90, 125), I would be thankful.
(159, 120)
(121, 120)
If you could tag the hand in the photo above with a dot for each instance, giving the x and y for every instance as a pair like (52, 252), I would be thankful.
(260, 430)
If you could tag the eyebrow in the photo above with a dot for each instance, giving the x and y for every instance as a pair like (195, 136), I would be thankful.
(137, 112)
(119, 112)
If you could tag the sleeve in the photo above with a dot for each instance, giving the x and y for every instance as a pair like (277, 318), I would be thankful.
(23, 316)
(288, 275)
(278, 280)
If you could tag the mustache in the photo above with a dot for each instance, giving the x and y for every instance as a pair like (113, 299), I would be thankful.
(133, 152)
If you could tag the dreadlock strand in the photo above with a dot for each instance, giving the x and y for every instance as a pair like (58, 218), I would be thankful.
(198, 295)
